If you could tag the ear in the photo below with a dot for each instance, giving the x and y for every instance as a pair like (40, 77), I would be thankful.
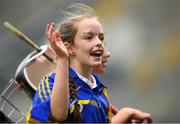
(69, 48)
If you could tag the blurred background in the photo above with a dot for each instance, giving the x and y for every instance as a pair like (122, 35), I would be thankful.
(142, 35)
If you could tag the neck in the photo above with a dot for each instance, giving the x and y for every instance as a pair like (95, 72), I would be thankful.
(81, 69)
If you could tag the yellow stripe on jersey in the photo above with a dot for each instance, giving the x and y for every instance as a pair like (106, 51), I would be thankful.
(81, 102)
(30, 120)
(110, 114)
(84, 102)
(110, 110)
(105, 93)
(39, 93)
(72, 109)
(43, 89)
(47, 85)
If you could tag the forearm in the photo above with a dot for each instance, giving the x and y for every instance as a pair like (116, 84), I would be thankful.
(122, 116)
(60, 93)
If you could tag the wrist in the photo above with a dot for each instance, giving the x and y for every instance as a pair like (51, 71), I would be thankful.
(62, 60)
(62, 55)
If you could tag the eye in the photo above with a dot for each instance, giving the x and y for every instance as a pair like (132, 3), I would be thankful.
(101, 37)
(88, 37)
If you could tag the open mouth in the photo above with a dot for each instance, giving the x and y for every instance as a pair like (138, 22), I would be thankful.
(96, 53)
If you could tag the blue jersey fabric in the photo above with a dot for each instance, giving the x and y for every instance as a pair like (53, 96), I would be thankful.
(94, 104)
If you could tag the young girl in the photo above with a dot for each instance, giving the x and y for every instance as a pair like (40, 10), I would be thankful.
(73, 93)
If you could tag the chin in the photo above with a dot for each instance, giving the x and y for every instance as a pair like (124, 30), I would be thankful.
(100, 72)
(95, 64)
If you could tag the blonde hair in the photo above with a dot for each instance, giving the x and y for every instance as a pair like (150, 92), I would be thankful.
(74, 13)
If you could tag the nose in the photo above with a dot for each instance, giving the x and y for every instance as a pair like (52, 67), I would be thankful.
(106, 53)
(99, 42)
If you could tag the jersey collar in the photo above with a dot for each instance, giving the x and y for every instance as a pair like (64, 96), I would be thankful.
(80, 82)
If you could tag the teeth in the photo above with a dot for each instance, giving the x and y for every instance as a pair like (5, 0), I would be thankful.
(97, 53)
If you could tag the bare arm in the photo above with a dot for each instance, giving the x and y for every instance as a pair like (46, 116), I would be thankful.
(60, 92)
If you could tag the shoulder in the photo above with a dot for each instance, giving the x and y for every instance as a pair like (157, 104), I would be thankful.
(45, 87)
(51, 76)
(48, 80)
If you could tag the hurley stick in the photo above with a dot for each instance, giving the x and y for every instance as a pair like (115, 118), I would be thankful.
(25, 39)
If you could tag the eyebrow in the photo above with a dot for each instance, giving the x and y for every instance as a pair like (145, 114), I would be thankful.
(93, 33)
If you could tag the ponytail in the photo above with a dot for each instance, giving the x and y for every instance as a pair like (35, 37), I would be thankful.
(73, 95)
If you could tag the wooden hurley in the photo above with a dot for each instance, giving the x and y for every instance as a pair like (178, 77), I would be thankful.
(25, 39)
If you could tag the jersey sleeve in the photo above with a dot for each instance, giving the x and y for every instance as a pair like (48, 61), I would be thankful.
(40, 109)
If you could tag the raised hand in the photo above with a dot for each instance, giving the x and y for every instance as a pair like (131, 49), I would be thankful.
(55, 41)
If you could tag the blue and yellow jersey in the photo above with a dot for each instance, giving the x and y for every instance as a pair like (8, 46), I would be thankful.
(94, 103)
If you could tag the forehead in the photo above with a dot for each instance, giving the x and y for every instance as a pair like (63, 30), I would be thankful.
(89, 24)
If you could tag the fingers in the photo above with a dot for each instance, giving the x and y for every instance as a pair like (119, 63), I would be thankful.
(142, 116)
(52, 35)
(148, 118)
(55, 41)
(57, 36)
(49, 31)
